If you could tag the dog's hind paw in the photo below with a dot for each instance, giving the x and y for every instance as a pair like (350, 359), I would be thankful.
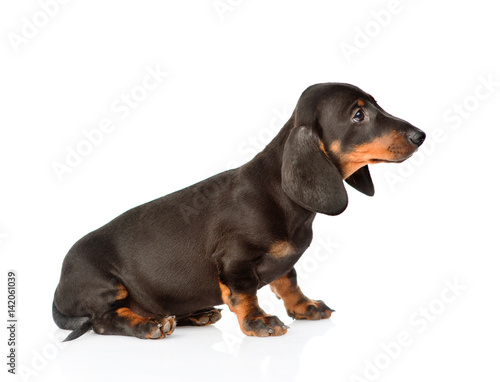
(201, 318)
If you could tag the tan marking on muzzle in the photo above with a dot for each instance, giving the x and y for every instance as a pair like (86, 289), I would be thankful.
(389, 147)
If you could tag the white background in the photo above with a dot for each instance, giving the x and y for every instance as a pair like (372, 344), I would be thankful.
(234, 76)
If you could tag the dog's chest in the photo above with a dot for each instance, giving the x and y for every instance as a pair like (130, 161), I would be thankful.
(280, 259)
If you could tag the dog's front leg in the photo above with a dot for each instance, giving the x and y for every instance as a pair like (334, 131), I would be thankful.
(297, 305)
(239, 293)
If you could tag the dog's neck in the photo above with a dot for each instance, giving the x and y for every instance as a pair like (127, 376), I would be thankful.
(266, 165)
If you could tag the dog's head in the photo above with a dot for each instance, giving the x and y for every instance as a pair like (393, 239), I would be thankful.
(338, 130)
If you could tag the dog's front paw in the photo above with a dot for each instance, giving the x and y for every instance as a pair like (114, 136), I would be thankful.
(263, 326)
(310, 310)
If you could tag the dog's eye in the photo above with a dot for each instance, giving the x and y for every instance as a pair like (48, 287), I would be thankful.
(359, 116)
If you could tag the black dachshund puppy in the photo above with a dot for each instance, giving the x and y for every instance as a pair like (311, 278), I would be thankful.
(170, 261)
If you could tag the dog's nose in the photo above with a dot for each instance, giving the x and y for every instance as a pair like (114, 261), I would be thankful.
(417, 137)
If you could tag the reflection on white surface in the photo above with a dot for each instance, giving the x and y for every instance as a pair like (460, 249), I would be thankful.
(211, 353)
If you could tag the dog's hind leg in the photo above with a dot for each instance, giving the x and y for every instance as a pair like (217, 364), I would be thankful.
(200, 318)
(113, 313)
(123, 321)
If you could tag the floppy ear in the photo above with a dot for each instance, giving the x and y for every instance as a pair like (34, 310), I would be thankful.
(361, 180)
(308, 177)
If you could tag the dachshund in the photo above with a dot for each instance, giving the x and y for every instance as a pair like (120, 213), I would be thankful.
(171, 261)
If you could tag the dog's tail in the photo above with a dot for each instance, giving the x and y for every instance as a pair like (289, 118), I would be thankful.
(79, 325)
